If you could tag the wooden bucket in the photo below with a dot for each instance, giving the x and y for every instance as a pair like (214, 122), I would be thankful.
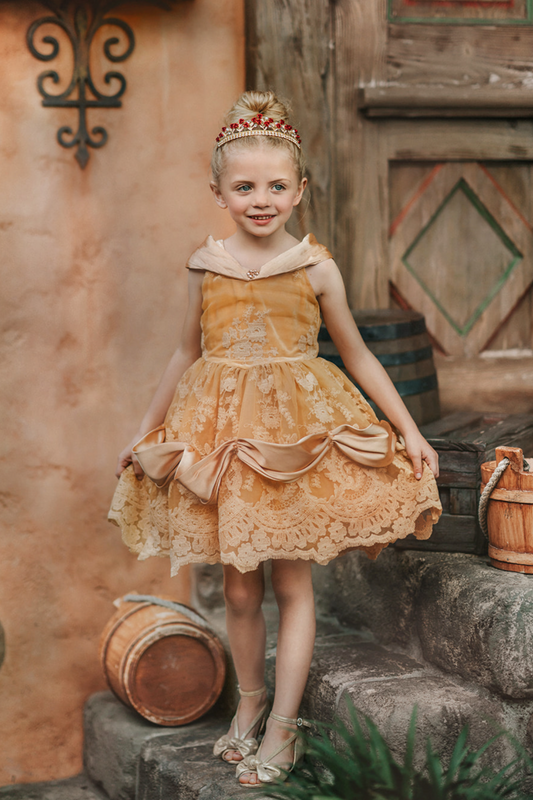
(400, 341)
(510, 512)
(162, 659)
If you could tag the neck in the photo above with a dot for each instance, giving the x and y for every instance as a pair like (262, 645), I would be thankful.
(278, 241)
(254, 251)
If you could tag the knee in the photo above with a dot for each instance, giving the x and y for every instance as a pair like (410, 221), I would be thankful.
(292, 585)
(243, 597)
(284, 592)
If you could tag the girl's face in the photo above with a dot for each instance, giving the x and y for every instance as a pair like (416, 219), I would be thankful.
(260, 188)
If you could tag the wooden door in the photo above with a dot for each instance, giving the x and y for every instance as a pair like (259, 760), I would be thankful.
(422, 137)
(461, 251)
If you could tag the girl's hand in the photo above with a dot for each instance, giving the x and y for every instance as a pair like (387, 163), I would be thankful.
(418, 451)
(127, 457)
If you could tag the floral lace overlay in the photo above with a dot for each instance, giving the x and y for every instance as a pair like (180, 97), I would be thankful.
(247, 340)
(259, 378)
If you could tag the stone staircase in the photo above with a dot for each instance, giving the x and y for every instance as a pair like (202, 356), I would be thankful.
(446, 632)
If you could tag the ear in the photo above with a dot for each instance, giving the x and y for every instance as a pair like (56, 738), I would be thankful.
(219, 200)
(301, 190)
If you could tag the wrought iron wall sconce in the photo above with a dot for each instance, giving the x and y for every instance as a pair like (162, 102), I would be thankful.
(80, 20)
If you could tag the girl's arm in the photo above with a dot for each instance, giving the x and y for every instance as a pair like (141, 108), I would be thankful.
(328, 285)
(188, 351)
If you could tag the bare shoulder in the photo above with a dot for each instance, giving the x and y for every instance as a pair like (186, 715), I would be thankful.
(325, 277)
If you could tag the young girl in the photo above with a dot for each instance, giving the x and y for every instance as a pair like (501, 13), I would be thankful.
(255, 449)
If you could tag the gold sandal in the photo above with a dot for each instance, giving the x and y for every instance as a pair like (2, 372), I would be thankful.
(265, 770)
(245, 746)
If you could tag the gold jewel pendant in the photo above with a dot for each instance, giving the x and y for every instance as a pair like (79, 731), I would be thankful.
(252, 273)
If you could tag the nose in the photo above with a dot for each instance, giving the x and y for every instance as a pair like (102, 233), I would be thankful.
(261, 199)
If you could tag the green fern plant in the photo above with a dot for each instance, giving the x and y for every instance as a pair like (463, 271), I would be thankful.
(363, 768)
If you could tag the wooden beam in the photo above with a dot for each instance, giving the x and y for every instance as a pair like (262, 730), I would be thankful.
(423, 101)
(361, 171)
(458, 140)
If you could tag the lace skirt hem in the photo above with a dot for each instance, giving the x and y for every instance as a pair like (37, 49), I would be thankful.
(367, 510)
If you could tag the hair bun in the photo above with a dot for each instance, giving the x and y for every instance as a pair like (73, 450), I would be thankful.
(251, 103)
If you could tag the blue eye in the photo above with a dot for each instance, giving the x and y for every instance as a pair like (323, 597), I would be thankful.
(279, 187)
(244, 188)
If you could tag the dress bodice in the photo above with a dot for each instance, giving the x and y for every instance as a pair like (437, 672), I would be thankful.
(250, 322)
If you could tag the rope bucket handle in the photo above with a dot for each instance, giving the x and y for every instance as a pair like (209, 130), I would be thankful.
(158, 601)
(489, 488)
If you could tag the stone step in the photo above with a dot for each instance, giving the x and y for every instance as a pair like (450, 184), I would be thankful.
(131, 759)
(386, 686)
(455, 611)
(79, 788)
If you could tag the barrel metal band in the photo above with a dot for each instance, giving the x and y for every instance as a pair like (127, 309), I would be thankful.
(384, 333)
(510, 556)
(397, 330)
(409, 388)
(158, 601)
(389, 359)
(511, 495)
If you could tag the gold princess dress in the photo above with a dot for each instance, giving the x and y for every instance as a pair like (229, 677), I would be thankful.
(268, 451)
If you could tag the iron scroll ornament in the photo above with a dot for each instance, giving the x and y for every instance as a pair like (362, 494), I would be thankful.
(80, 21)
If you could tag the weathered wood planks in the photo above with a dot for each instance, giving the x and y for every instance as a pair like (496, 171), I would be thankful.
(460, 56)
(288, 50)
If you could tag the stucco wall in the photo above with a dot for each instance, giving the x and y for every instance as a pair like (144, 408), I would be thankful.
(93, 288)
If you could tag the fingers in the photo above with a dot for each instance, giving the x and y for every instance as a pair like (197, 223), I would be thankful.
(124, 460)
(432, 460)
(416, 459)
(420, 451)
(122, 463)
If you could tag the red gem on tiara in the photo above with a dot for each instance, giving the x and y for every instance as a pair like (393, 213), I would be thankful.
(224, 129)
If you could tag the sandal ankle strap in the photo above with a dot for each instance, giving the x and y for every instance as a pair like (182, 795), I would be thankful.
(255, 693)
(300, 722)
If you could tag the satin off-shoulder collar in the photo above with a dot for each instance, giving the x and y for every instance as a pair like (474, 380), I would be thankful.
(212, 257)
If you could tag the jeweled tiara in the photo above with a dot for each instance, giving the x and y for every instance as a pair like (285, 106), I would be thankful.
(259, 126)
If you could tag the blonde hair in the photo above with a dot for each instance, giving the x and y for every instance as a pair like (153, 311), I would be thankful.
(247, 106)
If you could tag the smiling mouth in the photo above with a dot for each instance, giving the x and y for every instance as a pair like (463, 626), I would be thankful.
(262, 216)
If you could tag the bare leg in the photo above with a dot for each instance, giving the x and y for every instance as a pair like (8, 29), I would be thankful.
(245, 624)
(293, 588)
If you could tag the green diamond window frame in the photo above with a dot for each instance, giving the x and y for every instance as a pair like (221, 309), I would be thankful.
(405, 20)
(463, 186)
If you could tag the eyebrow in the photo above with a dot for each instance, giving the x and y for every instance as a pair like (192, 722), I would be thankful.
(251, 183)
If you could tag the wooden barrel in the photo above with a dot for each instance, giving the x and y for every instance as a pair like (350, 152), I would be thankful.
(510, 512)
(163, 660)
(400, 341)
